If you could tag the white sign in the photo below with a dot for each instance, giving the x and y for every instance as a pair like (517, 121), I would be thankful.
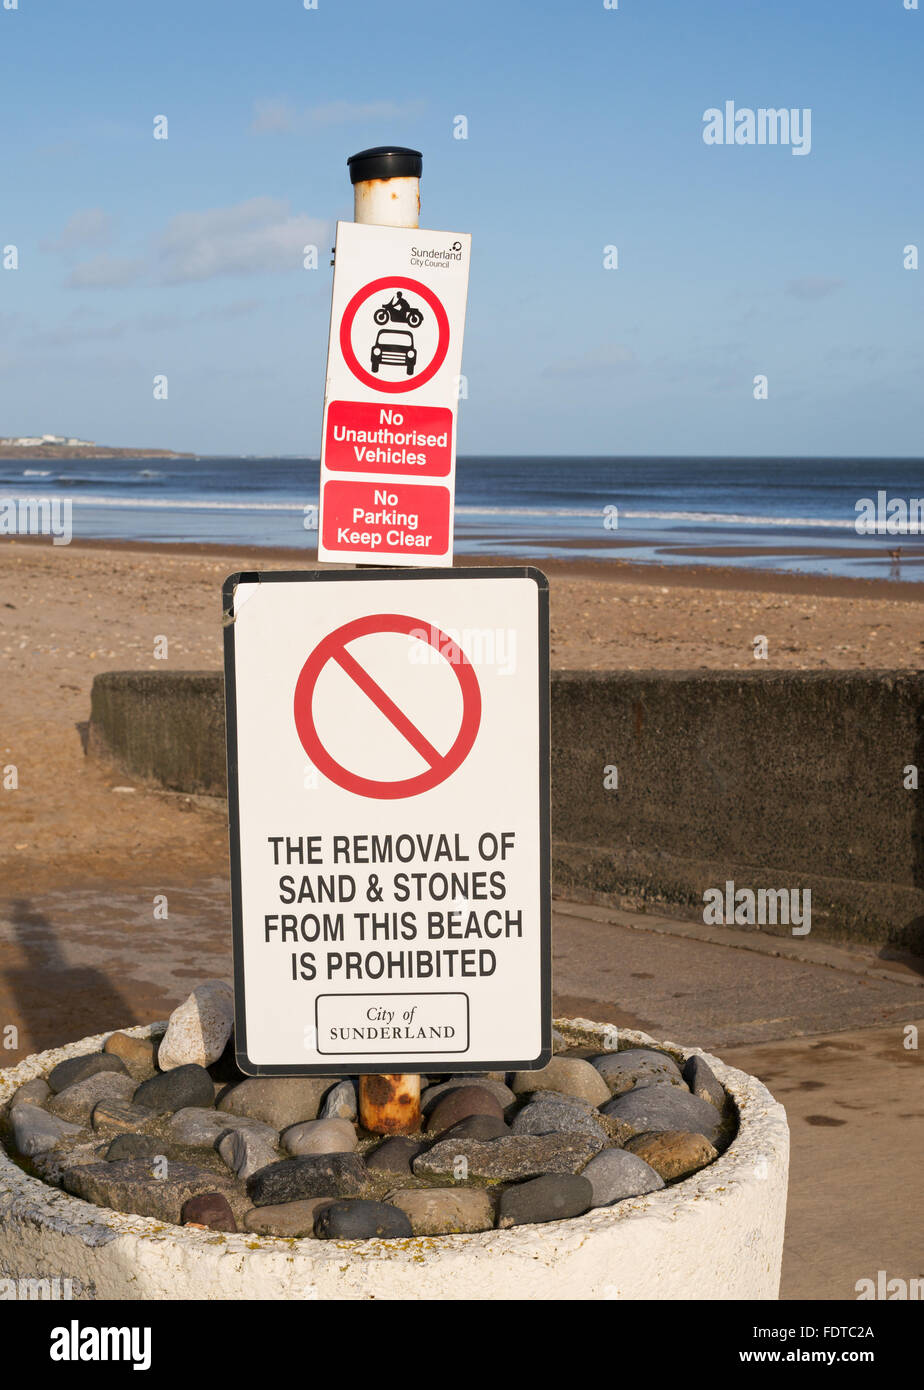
(388, 770)
(394, 362)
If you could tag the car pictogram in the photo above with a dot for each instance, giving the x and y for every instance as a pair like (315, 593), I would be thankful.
(394, 348)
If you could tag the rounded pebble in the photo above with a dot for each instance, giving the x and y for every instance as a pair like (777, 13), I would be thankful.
(550, 1198)
(673, 1153)
(358, 1219)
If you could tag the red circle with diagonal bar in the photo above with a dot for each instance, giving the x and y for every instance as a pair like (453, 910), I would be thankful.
(400, 282)
(333, 648)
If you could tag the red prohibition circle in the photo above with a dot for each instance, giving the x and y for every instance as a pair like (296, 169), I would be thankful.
(400, 282)
(333, 648)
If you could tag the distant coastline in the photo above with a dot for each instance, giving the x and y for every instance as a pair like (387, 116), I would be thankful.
(11, 452)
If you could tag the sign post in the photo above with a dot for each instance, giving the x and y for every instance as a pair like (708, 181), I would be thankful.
(388, 759)
(388, 443)
(380, 435)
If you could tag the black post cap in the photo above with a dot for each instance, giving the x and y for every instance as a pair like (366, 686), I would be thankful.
(385, 162)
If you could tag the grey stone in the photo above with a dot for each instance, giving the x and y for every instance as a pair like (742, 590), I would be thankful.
(176, 1090)
(110, 1118)
(201, 1128)
(502, 1094)
(356, 1219)
(615, 1174)
(559, 1098)
(443, 1211)
(279, 1101)
(340, 1103)
(477, 1127)
(134, 1146)
(290, 1219)
(572, 1075)
(637, 1066)
(77, 1103)
(551, 1198)
(35, 1131)
(74, 1069)
(248, 1150)
(395, 1155)
(315, 1175)
(198, 1028)
(548, 1117)
(459, 1104)
(53, 1163)
(138, 1186)
(34, 1092)
(703, 1082)
(665, 1107)
(506, 1159)
(319, 1137)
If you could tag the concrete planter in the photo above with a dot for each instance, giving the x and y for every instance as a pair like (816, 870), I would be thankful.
(717, 1235)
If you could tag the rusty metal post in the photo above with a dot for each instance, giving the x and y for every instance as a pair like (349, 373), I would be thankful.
(386, 192)
(390, 1104)
(386, 186)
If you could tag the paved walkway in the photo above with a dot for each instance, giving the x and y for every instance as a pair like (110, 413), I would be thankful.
(824, 1027)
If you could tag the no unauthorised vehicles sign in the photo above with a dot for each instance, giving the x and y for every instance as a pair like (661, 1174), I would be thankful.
(388, 769)
(388, 443)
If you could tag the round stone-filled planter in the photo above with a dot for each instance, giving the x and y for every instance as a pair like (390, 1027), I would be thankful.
(715, 1235)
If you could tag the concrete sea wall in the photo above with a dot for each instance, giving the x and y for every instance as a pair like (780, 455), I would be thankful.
(664, 783)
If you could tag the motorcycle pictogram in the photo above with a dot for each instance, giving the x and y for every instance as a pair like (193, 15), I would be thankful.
(397, 310)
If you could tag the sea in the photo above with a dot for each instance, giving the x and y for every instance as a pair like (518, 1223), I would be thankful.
(790, 514)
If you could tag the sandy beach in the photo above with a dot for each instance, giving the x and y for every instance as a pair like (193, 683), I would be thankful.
(67, 613)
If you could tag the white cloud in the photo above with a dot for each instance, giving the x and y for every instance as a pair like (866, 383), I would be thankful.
(246, 239)
(273, 117)
(249, 238)
(106, 272)
(346, 112)
(88, 227)
(85, 324)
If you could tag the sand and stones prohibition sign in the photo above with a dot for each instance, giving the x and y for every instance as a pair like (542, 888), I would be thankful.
(334, 648)
(389, 796)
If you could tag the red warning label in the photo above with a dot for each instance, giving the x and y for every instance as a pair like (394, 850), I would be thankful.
(393, 520)
(366, 437)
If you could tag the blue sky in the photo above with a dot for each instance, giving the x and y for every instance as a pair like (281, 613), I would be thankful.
(182, 256)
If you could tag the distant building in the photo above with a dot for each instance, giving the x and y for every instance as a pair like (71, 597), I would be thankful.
(31, 441)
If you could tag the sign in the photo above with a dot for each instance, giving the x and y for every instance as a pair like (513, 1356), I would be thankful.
(388, 780)
(388, 442)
